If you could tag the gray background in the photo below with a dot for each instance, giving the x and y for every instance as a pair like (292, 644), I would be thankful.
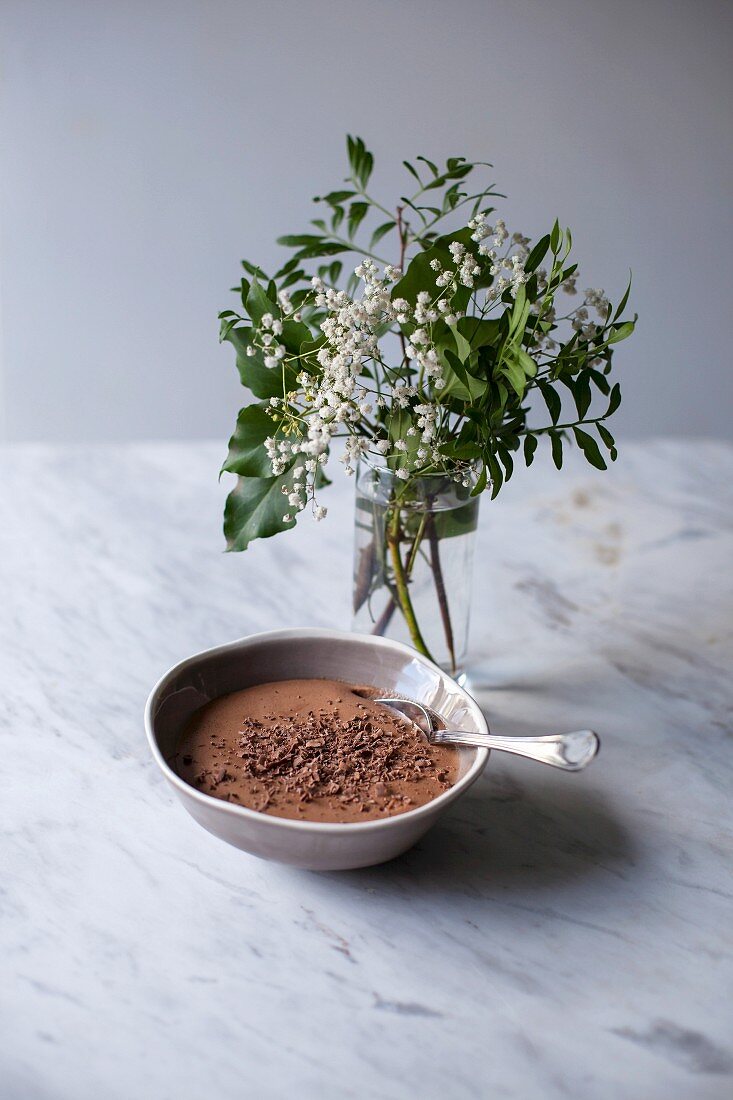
(149, 146)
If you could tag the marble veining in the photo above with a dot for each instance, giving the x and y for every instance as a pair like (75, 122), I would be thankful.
(557, 936)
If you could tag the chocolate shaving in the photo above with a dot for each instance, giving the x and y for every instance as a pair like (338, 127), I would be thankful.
(354, 757)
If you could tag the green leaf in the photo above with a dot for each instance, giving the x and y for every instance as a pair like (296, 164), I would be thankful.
(519, 314)
(255, 509)
(621, 332)
(324, 249)
(252, 269)
(286, 269)
(479, 333)
(259, 379)
(462, 345)
(530, 446)
(459, 382)
(507, 462)
(459, 172)
(294, 335)
(380, 232)
(552, 400)
(556, 442)
(258, 303)
(555, 238)
(622, 304)
(581, 394)
(600, 380)
(526, 362)
(515, 377)
(299, 240)
(454, 366)
(606, 436)
(496, 475)
(226, 326)
(333, 198)
(360, 159)
(419, 275)
(365, 169)
(294, 277)
(537, 254)
(412, 171)
(589, 447)
(614, 400)
(357, 213)
(430, 165)
(242, 290)
(247, 455)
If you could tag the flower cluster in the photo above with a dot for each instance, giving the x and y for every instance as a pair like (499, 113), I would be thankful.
(490, 239)
(270, 328)
(335, 398)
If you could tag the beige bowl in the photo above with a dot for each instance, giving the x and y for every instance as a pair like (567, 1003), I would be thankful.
(299, 654)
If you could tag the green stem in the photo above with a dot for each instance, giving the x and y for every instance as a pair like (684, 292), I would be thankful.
(562, 427)
(386, 616)
(393, 540)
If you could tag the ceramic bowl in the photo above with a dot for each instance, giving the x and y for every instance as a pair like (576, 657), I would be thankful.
(301, 654)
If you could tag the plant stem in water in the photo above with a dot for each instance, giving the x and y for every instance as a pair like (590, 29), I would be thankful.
(386, 617)
(393, 540)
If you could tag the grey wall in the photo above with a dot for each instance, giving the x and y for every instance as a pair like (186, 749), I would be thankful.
(150, 145)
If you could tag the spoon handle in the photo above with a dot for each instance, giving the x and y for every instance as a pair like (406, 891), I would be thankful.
(569, 751)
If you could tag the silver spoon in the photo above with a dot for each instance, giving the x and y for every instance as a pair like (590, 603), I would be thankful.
(569, 751)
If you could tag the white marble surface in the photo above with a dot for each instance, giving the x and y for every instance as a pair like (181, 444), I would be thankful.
(557, 936)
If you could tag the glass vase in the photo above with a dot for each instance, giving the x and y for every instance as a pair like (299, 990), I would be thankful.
(413, 561)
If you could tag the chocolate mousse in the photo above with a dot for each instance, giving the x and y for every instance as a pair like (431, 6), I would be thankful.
(313, 750)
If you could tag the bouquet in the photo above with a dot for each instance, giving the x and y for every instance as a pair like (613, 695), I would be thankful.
(429, 354)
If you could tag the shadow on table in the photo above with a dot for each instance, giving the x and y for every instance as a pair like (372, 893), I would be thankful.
(504, 835)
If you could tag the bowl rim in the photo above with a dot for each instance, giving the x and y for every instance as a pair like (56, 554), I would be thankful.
(318, 827)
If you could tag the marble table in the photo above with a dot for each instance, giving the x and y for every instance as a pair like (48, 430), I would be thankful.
(557, 936)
